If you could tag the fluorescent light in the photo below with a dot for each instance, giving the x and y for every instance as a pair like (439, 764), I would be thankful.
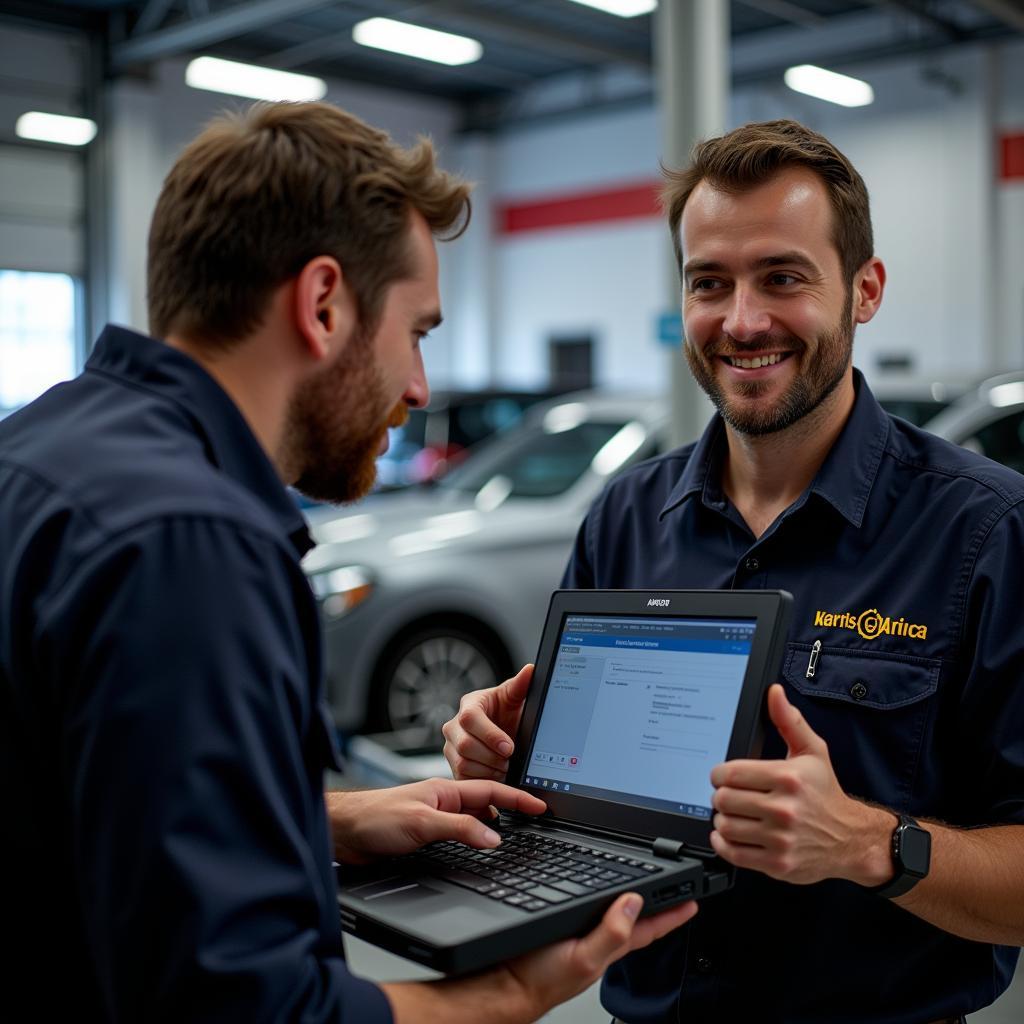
(414, 41)
(622, 8)
(827, 85)
(1003, 395)
(252, 81)
(71, 131)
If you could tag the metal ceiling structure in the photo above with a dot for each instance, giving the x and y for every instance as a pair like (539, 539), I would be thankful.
(526, 42)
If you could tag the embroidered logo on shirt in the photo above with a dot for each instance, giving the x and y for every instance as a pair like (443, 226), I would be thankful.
(871, 624)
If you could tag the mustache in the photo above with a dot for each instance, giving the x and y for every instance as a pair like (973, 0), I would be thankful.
(398, 415)
(726, 346)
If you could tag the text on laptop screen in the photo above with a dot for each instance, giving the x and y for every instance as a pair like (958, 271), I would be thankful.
(640, 710)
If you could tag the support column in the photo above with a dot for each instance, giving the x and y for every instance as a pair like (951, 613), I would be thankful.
(691, 58)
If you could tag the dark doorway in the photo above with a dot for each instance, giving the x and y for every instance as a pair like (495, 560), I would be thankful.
(571, 362)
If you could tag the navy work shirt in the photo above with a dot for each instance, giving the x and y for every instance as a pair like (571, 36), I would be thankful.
(165, 844)
(905, 558)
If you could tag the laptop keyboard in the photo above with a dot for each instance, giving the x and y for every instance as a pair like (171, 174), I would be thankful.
(532, 871)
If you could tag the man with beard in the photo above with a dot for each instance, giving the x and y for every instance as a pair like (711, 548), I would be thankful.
(902, 693)
(167, 845)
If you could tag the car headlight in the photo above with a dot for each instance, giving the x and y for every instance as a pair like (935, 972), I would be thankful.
(341, 590)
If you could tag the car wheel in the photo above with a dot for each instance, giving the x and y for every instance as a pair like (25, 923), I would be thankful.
(425, 674)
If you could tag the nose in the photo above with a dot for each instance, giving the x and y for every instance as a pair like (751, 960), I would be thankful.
(417, 394)
(747, 316)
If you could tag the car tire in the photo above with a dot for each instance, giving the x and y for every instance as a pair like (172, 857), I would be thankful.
(425, 673)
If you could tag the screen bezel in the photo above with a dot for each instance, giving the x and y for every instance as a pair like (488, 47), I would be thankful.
(767, 609)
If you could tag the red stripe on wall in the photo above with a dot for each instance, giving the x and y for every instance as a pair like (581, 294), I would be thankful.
(1012, 163)
(624, 203)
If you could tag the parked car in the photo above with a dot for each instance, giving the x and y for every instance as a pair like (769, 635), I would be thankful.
(431, 591)
(916, 401)
(988, 420)
(436, 438)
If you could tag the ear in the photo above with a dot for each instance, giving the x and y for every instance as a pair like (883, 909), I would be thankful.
(324, 308)
(868, 286)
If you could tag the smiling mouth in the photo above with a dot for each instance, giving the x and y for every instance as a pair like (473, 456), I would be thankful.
(756, 362)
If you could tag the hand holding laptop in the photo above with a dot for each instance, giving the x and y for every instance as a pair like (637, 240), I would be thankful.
(524, 989)
(376, 823)
(478, 740)
(790, 818)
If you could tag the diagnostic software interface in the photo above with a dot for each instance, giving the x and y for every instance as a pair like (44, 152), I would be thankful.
(640, 710)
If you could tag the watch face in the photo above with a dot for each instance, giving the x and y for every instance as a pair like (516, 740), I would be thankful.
(915, 849)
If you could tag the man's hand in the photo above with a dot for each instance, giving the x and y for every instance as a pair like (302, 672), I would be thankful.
(376, 823)
(791, 819)
(478, 740)
(524, 989)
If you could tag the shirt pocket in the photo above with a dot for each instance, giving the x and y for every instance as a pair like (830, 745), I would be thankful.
(874, 710)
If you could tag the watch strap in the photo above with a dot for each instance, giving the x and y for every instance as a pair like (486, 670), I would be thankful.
(903, 880)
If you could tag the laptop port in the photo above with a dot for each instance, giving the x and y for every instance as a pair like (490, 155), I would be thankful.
(672, 893)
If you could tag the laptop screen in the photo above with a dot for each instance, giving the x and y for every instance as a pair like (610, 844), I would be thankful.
(639, 710)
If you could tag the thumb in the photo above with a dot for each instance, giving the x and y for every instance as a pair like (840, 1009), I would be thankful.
(512, 692)
(610, 939)
(799, 737)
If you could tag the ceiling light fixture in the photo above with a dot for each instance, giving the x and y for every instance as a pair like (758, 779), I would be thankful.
(69, 131)
(416, 41)
(828, 85)
(621, 8)
(252, 81)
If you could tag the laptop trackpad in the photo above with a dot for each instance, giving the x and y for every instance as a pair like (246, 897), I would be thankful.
(390, 889)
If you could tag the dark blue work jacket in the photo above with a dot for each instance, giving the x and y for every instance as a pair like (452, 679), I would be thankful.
(905, 558)
(165, 846)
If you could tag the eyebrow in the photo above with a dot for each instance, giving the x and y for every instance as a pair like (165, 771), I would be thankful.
(782, 259)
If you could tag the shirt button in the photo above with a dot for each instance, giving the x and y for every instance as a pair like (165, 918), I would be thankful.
(752, 565)
(704, 965)
(858, 691)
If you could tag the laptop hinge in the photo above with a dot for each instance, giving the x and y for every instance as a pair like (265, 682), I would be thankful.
(597, 831)
(671, 849)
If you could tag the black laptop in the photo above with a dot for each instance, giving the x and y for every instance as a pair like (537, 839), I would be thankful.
(636, 696)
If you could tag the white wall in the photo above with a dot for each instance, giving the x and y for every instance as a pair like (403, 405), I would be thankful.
(952, 237)
(41, 188)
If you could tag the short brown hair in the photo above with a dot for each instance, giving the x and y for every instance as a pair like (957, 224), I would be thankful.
(259, 194)
(754, 154)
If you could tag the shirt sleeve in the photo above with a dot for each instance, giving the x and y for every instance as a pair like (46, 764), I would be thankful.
(579, 572)
(991, 711)
(193, 781)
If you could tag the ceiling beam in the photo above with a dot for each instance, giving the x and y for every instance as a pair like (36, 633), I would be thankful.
(950, 29)
(152, 15)
(786, 10)
(197, 33)
(516, 32)
(1007, 11)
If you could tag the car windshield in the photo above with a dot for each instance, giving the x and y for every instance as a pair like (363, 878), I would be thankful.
(543, 459)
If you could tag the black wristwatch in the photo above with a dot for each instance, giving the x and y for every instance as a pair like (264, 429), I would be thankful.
(911, 857)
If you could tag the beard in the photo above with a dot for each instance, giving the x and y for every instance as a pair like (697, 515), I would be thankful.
(807, 391)
(336, 422)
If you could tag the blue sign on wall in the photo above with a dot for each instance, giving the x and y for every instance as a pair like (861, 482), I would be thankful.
(670, 329)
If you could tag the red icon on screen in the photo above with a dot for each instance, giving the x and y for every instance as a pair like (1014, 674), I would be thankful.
(572, 760)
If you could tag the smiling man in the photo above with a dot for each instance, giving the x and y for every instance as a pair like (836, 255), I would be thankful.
(903, 681)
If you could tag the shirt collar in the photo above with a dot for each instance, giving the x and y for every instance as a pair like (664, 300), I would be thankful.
(844, 480)
(228, 440)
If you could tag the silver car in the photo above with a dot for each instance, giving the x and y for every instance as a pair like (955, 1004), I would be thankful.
(988, 420)
(429, 592)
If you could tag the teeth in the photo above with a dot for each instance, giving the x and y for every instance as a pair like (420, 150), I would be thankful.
(756, 363)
